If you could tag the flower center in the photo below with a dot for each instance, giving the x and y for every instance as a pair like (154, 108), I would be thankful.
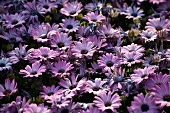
(130, 60)
(7, 92)
(34, 72)
(96, 88)
(69, 26)
(43, 36)
(72, 86)
(14, 22)
(73, 12)
(50, 93)
(166, 98)
(65, 111)
(158, 28)
(109, 63)
(144, 75)
(61, 71)
(60, 44)
(144, 107)
(134, 14)
(46, 6)
(84, 51)
(99, 70)
(2, 65)
(107, 104)
(158, 83)
(45, 55)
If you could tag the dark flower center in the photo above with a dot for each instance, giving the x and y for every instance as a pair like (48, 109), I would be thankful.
(99, 70)
(65, 111)
(60, 44)
(158, 83)
(61, 71)
(109, 63)
(45, 55)
(14, 22)
(144, 107)
(59, 102)
(96, 88)
(34, 72)
(134, 14)
(130, 60)
(33, 12)
(7, 92)
(73, 12)
(144, 75)
(46, 6)
(72, 86)
(51, 93)
(84, 51)
(69, 26)
(166, 98)
(43, 36)
(2, 65)
(107, 104)
(147, 36)
(94, 20)
(158, 28)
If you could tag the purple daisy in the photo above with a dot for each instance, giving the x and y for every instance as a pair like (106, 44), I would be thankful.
(33, 108)
(70, 25)
(143, 104)
(108, 62)
(94, 17)
(157, 1)
(10, 88)
(61, 68)
(84, 48)
(71, 85)
(12, 21)
(44, 53)
(158, 24)
(134, 13)
(168, 54)
(60, 40)
(34, 71)
(142, 74)
(107, 101)
(132, 48)
(92, 109)
(132, 58)
(148, 36)
(95, 87)
(5, 63)
(158, 79)
(162, 95)
(71, 9)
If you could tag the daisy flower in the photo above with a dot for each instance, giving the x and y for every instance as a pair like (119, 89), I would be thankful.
(33, 108)
(108, 62)
(69, 25)
(148, 36)
(94, 17)
(71, 9)
(92, 109)
(84, 48)
(142, 74)
(10, 88)
(12, 21)
(157, 1)
(107, 101)
(134, 13)
(158, 24)
(5, 63)
(95, 87)
(162, 95)
(156, 80)
(133, 48)
(61, 68)
(143, 104)
(33, 71)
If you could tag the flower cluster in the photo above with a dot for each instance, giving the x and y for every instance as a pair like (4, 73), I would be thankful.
(80, 56)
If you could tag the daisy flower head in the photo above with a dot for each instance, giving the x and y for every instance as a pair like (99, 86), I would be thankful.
(142, 74)
(157, 1)
(107, 101)
(148, 36)
(71, 9)
(132, 48)
(157, 24)
(156, 80)
(10, 88)
(84, 48)
(94, 17)
(92, 109)
(143, 104)
(69, 25)
(108, 62)
(5, 63)
(61, 68)
(162, 95)
(13, 20)
(134, 13)
(36, 70)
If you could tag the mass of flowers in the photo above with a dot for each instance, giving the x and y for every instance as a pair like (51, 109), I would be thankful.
(84, 56)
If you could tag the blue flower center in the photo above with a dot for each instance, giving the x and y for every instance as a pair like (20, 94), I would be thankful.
(144, 107)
